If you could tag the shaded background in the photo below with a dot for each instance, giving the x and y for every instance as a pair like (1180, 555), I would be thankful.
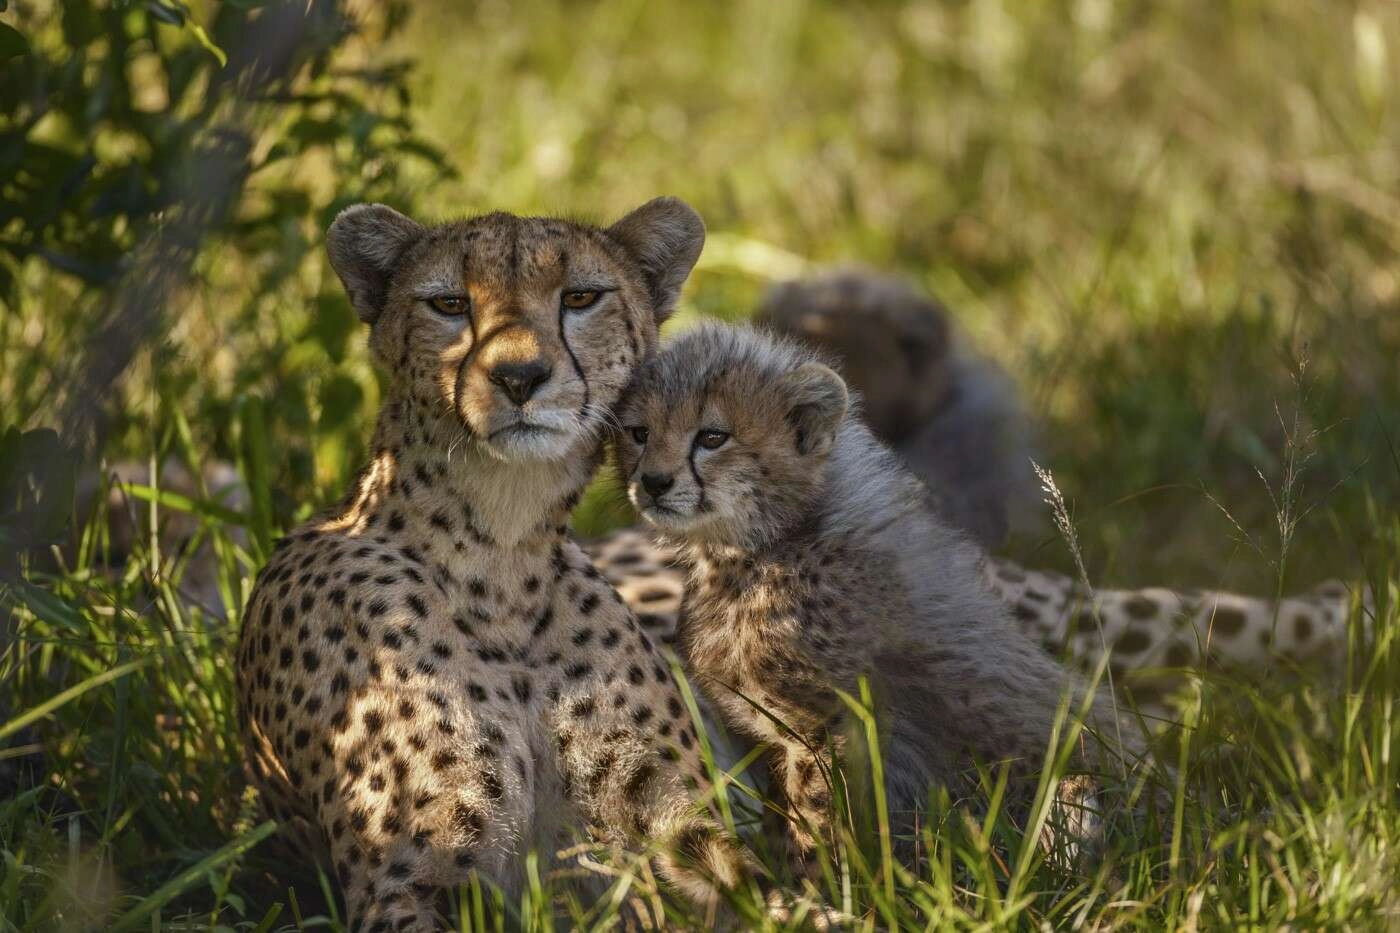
(1176, 225)
(1151, 216)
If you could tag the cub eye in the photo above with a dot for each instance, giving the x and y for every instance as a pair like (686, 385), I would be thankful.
(449, 304)
(638, 434)
(578, 300)
(711, 440)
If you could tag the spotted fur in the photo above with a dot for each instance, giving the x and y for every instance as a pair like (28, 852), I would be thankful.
(432, 677)
(1154, 634)
(814, 559)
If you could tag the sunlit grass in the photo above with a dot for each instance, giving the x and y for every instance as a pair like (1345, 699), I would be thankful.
(1280, 803)
(1148, 213)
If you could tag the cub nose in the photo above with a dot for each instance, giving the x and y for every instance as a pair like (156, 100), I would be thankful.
(656, 484)
(520, 380)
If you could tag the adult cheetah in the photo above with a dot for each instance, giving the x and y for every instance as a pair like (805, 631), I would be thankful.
(432, 675)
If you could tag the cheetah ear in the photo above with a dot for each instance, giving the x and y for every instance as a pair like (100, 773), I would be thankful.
(365, 242)
(665, 237)
(817, 399)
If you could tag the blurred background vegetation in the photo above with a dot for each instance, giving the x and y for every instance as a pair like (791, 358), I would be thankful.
(1175, 224)
(1151, 214)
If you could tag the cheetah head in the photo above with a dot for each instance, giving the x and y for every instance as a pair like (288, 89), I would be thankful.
(725, 435)
(893, 343)
(514, 333)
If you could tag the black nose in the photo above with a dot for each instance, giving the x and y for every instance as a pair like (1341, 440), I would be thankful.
(520, 380)
(656, 485)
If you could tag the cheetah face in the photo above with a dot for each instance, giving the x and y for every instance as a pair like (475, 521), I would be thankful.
(893, 343)
(724, 439)
(516, 334)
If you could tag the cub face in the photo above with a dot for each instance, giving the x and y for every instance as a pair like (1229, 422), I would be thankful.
(514, 333)
(724, 436)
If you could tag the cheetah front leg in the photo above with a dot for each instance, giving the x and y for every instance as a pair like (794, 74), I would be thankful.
(420, 798)
(633, 768)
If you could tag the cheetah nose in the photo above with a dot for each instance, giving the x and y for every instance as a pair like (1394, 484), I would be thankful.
(520, 380)
(656, 484)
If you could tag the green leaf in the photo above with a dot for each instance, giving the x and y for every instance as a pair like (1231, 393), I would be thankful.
(192, 876)
(173, 500)
(253, 444)
(37, 477)
(12, 44)
(341, 397)
(333, 324)
(47, 606)
(203, 38)
(72, 693)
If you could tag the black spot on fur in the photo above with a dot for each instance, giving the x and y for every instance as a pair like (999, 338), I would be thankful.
(1025, 612)
(1133, 641)
(1228, 622)
(1179, 655)
(1140, 607)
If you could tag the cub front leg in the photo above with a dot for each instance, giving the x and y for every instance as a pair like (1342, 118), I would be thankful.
(803, 775)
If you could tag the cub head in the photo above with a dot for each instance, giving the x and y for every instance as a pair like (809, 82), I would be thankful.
(893, 343)
(724, 435)
(515, 333)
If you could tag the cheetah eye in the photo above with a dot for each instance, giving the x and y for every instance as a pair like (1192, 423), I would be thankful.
(451, 305)
(579, 300)
(711, 440)
(639, 435)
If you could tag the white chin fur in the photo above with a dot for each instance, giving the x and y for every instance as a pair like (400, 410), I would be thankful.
(539, 436)
(530, 444)
(669, 519)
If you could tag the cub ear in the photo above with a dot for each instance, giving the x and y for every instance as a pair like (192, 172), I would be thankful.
(365, 242)
(816, 398)
(665, 236)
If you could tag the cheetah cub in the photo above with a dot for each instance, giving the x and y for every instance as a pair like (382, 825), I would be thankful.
(814, 558)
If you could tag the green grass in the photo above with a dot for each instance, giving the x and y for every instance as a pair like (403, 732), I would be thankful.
(1285, 808)
(1151, 214)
